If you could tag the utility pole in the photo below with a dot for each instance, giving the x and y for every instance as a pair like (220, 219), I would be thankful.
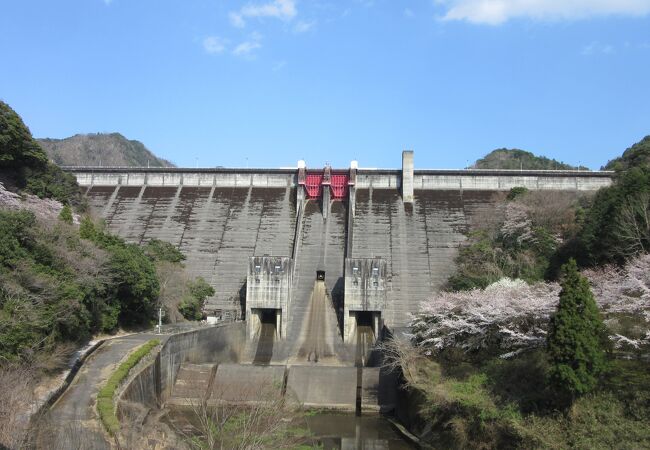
(160, 316)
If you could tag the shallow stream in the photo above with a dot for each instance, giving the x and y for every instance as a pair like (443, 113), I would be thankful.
(347, 432)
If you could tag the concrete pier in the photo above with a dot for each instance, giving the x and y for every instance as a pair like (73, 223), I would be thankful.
(407, 176)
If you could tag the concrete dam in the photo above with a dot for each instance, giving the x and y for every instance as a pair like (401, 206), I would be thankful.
(319, 262)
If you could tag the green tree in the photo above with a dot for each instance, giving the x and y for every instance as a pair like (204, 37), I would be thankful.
(133, 272)
(159, 250)
(66, 214)
(604, 236)
(18, 148)
(23, 160)
(576, 338)
(191, 307)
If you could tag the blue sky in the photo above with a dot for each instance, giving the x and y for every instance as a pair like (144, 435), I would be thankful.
(267, 82)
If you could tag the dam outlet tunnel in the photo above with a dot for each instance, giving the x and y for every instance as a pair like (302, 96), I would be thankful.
(266, 320)
(265, 323)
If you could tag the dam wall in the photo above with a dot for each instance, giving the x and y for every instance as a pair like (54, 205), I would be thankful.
(481, 179)
(220, 218)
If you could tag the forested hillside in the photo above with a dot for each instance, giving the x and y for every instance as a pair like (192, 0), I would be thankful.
(636, 156)
(64, 278)
(101, 149)
(515, 159)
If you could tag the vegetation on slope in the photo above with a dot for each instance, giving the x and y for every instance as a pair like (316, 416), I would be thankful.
(529, 235)
(515, 159)
(482, 373)
(508, 404)
(61, 283)
(24, 164)
(617, 224)
(636, 156)
(519, 238)
(101, 149)
(499, 367)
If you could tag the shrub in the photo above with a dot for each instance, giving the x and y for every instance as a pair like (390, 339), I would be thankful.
(517, 192)
(105, 405)
(191, 307)
(66, 214)
(159, 250)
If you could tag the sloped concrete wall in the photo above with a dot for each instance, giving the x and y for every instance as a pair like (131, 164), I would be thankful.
(222, 343)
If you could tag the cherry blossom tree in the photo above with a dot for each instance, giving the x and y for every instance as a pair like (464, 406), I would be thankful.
(511, 316)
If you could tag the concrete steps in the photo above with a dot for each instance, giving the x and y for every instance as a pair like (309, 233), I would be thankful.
(315, 386)
(193, 383)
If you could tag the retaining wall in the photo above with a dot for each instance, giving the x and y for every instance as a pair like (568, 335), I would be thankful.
(152, 386)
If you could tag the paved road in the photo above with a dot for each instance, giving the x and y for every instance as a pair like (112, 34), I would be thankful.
(72, 423)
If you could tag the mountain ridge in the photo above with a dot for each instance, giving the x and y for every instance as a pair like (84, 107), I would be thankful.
(517, 159)
(101, 149)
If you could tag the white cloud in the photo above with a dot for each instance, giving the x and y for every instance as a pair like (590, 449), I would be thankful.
(495, 12)
(247, 48)
(279, 66)
(409, 13)
(597, 48)
(277, 9)
(236, 20)
(303, 27)
(108, 2)
(214, 44)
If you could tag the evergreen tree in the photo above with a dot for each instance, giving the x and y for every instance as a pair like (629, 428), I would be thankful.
(576, 338)
(66, 214)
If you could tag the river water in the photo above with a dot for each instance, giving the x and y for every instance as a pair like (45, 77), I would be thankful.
(347, 432)
(327, 431)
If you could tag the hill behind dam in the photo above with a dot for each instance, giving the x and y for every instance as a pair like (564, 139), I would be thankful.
(101, 149)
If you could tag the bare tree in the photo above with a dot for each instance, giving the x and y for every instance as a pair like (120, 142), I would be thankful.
(633, 225)
(16, 397)
(268, 421)
(173, 286)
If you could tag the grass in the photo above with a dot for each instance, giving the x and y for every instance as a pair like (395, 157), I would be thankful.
(506, 405)
(105, 405)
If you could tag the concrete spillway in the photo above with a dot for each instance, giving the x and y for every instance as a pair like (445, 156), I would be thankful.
(365, 341)
(316, 338)
(313, 326)
(264, 345)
